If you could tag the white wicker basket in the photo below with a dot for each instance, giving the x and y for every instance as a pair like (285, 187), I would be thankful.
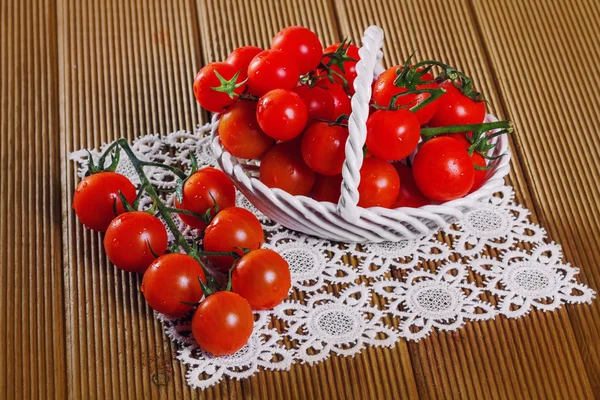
(345, 221)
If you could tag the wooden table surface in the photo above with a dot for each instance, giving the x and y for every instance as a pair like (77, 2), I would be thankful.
(77, 73)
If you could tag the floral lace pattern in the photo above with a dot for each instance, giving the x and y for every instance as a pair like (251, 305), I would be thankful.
(346, 296)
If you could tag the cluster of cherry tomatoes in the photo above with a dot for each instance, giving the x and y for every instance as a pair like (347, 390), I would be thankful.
(175, 283)
(288, 106)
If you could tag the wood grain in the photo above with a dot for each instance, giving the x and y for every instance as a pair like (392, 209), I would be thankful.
(77, 74)
(32, 352)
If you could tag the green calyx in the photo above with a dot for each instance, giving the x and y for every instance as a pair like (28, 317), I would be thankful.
(228, 86)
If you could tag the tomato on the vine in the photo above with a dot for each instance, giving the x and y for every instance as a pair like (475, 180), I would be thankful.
(272, 69)
(455, 108)
(201, 191)
(384, 90)
(341, 101)
(319, 102)
(240, 58)
(379, 184)
(132, 237)
(323, 147)
(240, 133)
(95, 198)
(218, 85)
(283, 167)
(327, 188)
(222, 323)
(443, 169)
(342, 59)
(281, 114)
(410, 195)
(392, 134)
(263, 278)
(170, 280)
(232, 229)
(478, 161)
(301, 44)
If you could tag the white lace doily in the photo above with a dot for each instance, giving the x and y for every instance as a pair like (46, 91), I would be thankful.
(392, 291)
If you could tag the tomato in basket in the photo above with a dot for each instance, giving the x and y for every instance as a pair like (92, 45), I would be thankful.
(386, 87)
(409, 195)
(379, 184)
(281, 114)
(300, 44)
(392, 134)
(240, 133)
(272, 69)
(283, 167)
(218, 85)
(443, 169)
(240, 58)
(455, 108)
(342, 59)
(323, 147)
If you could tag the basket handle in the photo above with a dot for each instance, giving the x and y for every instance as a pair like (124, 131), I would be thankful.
(367, 67)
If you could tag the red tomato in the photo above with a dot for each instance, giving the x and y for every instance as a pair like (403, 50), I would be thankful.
(323, 147)
(263, 278)
(349, 67)
(341, 101)
(240, 133)
(95, 197)
(223, 323)
(392, 135)
(171, 279)
(379, 184)
(240, 58)
(443, 169)
(477, 159)
(200, 189)
(410, 195)
(327, 188)
(232, 229)
(455, 108)
(214, 93)
(384, 89)
(318, 101)
(283, 167)
(129, 238)
(281, 114)
(272, 69)
(301, 44)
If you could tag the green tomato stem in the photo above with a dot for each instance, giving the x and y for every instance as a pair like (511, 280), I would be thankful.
(164, 211)
(428, 133)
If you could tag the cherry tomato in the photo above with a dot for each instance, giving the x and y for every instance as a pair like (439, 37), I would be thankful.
(240, 58)
(454, 108)
(272, 69)
(240, 133)
(132, 237)
(341, 101)
(263, 278)
(214, 93)
(281, 114)
(232, 229)
(392, 135)
(170, 280)
(223, 323)
(443, 169)
(201, 191)
(349, 67)
(319, 103)
(323, 147)
(327, 188)
(283, 167)
(410, 195)
(478, 160)
(301, 44)
(384, 89)
(95, 197)
(379, 184)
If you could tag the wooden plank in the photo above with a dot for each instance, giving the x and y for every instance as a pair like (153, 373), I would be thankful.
(548, 77)
(498, 358)
(125, 70)
(32, 353)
